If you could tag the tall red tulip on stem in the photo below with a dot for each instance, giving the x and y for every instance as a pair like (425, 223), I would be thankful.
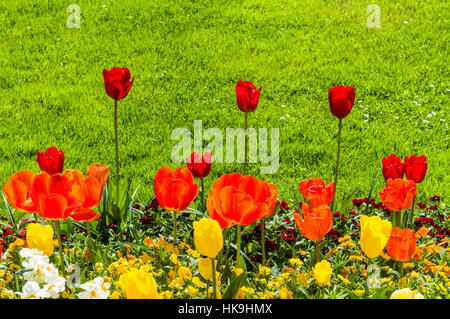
(247, 97)
(341, 100)
(200, 166)
(174, 191)
(117, 86)
(415, 170)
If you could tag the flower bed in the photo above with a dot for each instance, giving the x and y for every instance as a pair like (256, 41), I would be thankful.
(87, 238)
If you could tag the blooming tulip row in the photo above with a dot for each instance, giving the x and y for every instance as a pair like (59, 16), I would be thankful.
(176, 251)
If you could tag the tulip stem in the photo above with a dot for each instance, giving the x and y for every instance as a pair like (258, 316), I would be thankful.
(337, 164)
(91, 244)
(238, 245)
(317, 251)
(263, 240)
(411, 214)
(175, 222)
(214, 278)
(245, 144)
(58, 235)
(116, 139)
(396, 219)
(203, 195)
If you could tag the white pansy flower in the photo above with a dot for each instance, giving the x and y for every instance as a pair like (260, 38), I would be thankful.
(95, 289)
(55, 287)
(32, 290)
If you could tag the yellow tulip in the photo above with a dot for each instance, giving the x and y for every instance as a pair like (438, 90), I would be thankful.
(208, 237)
(322, 272)
(205, 268)
(375, 234)
(406, 293)
(40, 237)
(138, 284)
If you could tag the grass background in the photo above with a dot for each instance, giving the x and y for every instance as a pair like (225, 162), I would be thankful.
(187, 57)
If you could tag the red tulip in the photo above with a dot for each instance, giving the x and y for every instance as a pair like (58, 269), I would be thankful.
(89, 191)
(52, 161)
(236, 199)
(316, 222)
(55, 196)
(392, 167)
(416, 167)
(174, 189)
(247, 96)
(341, 100)
(18, 191)
(398, 194)
(316, 193)
(200, 166)
(402, 244)
(117, 82)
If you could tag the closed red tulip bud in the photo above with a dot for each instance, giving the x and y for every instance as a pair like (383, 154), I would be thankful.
(392, 167)
(416, 168)
(341, 100)
(402, 244)
(200, 166)
(117, 82)
(52, 161)
(247, 96)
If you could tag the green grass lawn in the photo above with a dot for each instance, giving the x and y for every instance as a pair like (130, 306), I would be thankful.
(187, 57)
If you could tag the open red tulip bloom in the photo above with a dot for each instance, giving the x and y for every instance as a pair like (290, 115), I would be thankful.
(316, 193)
(236, 199)
(174, 189)
(57, 196)
(316, 222)
(52, 161)
(393, 167)
(117, 82)
(341, 100)
(18, 191)
(416, 168)
(60, 196)
(402, 244)
(200, 166)
(398, 194)
(247, 96)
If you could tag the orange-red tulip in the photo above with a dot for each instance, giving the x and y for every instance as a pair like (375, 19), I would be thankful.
(89, 190)
(398, 194)
(174, 189)
(316, 193)
(402, 244)
(17, 191)
(316, 222)
(236, 199)
(56, 195)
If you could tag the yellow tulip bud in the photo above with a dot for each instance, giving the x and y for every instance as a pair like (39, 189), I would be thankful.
(138, 284)
(208, 237)
(322, 272)
(375, 234)
(40, 237)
